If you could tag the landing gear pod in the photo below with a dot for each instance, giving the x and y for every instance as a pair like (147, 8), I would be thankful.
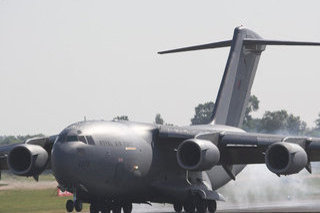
(284, 158)
(197, 155)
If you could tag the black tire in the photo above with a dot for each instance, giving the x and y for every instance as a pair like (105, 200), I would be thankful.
(177, 207)
(127, 208)
(105, 210)
(69, 206)
(78, 205)
(116, 209)
(212, 206)
(201, 205)
(189, 206)
(94, 208)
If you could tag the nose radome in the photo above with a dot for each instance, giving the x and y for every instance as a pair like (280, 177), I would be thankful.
(63, 162)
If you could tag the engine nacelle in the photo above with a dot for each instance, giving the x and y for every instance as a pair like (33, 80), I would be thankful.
(284, 158)
(197, 155)
(27, 160)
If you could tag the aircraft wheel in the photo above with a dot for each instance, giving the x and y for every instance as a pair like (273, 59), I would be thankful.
(201, 205)
(212, 206)
(69, 206)
(116, 209)
(106, 210)
(127, 208)
(94, 208)
(177, 207)
(189, 207)
(78, 205)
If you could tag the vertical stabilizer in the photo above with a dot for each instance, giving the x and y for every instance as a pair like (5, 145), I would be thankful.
(235, 88)
(237, 79)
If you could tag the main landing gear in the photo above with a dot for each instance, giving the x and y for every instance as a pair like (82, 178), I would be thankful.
(196, 204)
(111, 207)
(76, 205)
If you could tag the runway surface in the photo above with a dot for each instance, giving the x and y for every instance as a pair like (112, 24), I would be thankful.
(288, 206)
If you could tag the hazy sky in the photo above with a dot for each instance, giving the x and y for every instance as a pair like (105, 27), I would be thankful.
(63, 60)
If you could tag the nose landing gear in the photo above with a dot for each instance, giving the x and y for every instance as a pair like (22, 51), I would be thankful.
(69, 206)
(77, 205)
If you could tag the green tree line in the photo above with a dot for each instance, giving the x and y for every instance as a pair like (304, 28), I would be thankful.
(273, 122)
(5, 140)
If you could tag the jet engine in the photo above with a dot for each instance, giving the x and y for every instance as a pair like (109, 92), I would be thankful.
(285, 158)
(27, 160)
(197, 155)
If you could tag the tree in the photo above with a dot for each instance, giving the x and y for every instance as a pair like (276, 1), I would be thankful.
(158, 119)
(295, 125)
(315, 132)
(121, 118)
(250, 123)
(4, 140)
(273, 121)
(203, 113)
(318, 122)
(282, 122)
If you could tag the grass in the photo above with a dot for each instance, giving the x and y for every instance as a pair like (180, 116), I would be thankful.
(36, 201)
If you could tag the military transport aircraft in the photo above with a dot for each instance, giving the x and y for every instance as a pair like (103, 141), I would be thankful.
(113, 164)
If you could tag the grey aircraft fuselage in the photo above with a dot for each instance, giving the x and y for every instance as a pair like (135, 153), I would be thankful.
(123, 160)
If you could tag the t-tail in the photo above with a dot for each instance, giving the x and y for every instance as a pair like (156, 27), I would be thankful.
(235, 88)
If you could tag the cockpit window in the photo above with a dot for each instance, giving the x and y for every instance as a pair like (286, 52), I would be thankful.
(62, 137)
(82, 139)
(72, 138)
(90, 140)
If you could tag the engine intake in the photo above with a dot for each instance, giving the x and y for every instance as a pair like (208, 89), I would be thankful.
(27, 160)
(284, 158)
(197, 155)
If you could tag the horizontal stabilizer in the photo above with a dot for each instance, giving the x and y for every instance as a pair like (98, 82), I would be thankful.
(246, 41)
(200, 47)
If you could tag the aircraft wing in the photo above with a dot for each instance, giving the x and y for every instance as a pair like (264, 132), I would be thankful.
(250, 148)
(283, 155)
(44, 142)
(195, 150)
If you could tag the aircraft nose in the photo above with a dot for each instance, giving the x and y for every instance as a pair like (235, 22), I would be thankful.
(63, 161)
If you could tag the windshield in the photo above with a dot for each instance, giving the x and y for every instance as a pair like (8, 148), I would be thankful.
(64, 137)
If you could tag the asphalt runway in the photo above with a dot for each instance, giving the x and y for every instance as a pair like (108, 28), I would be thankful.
(288, 206)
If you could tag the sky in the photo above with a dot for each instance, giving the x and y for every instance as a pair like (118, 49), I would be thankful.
(63, 60)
